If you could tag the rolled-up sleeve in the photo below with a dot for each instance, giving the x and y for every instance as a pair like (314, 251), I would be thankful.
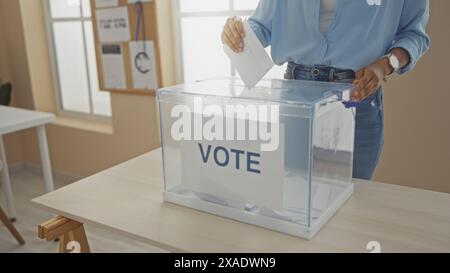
(412, 35)
(261, 21)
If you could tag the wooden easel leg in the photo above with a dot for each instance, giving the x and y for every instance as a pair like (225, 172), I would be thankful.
(5, 220)
(71, 234)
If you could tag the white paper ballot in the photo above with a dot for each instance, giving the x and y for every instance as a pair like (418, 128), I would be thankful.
(113, 67)
(113, 25)
(254, 62)
(143, 65)
(106, 3)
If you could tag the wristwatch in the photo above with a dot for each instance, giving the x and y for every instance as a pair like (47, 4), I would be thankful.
(393, 62)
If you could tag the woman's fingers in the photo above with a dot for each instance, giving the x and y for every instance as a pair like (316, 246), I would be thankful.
(365, 78)
(226, 40)
(240, 26)
(355, 91)
(360, 74)
(231, 41)
(236, 36)
(358, 85)
(365, 86)
(367, 82)
(361, 82)
(233, 34)
(373, 85)
(358, 91)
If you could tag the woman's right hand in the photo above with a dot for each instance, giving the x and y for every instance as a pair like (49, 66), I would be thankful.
(233, 34)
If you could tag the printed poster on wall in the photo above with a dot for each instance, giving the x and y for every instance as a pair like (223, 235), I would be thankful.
(113, 25)
(106, 3)
(143, 65)
(113, 66)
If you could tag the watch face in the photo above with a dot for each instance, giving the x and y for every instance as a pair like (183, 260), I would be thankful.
(394, 62)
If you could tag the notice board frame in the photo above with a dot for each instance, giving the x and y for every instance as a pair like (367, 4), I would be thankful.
(152, 32)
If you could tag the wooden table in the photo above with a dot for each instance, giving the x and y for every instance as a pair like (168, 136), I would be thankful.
(14, 120)
(127, 200)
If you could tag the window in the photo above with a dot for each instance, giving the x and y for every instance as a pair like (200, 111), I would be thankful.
(198, 29)
(73, 51)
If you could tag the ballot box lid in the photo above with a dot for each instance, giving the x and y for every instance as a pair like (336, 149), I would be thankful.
(271, 90)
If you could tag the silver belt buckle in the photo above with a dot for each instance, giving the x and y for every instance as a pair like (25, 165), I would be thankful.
(315, 72)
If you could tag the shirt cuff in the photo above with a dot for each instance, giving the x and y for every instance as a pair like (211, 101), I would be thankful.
(257, 30)
(406, 45)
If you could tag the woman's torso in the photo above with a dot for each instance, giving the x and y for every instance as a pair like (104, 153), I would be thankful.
(327, 14)
(360, 32)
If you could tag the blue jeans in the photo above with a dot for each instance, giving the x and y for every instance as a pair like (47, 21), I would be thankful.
(369, 130)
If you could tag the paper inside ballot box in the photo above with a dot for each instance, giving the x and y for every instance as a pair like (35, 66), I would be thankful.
(238, 182)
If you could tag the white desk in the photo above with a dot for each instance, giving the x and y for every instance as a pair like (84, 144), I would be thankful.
(127, 200)
(13, 120)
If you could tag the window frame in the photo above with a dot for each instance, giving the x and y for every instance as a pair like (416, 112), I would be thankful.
(55, 69)
(177, 34)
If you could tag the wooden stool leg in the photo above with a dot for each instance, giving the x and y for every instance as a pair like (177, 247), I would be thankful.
(79, 235)
(5, 220)
(71, 234)
(64, 240)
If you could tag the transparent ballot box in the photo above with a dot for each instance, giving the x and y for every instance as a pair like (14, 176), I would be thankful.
(278, 155)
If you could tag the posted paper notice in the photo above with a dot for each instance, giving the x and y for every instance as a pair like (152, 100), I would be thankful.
(143, 65)
(106, 3)
(113, 66)
(113, 25)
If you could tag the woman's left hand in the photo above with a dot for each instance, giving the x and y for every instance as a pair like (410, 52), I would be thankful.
(369, 79)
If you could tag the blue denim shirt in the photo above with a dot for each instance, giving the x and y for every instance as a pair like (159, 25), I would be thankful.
(362, 31)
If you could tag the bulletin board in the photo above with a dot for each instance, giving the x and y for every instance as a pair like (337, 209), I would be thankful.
(127, 47)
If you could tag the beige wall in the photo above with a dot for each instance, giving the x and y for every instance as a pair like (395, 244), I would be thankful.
(417, 148)
(5, 73)
(11, 49)
(75, 151)
(417, 151)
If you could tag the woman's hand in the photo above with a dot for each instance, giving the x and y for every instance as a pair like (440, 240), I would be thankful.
(233, 34)
(370, 78)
